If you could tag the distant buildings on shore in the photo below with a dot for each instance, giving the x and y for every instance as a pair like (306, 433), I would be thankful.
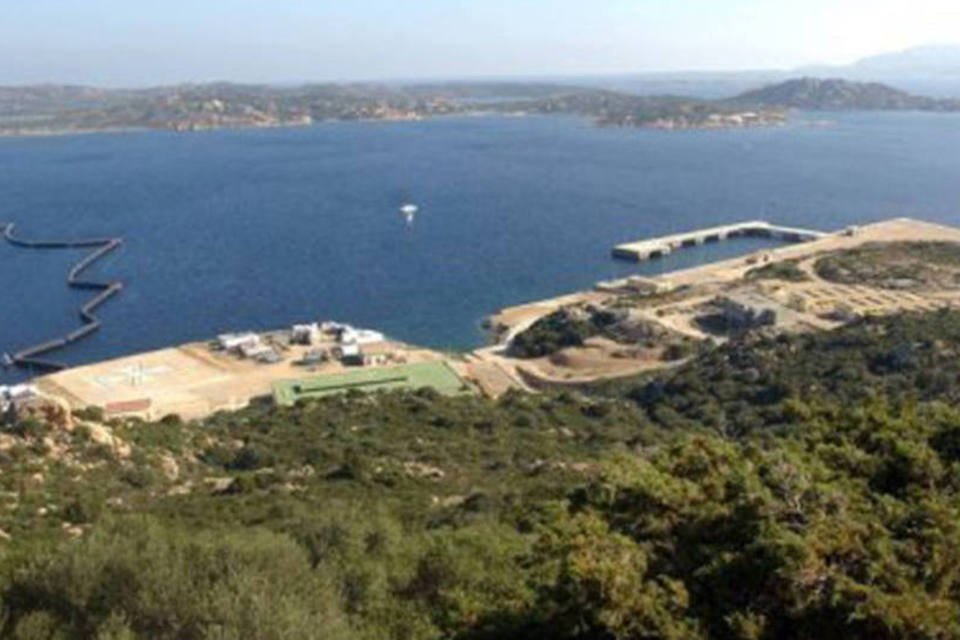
(348, 343)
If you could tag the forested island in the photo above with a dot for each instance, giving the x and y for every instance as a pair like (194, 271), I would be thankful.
(55, 109)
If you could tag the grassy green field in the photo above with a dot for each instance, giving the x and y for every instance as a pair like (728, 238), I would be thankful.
(435, 375)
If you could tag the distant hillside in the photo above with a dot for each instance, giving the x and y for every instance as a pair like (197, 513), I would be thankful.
(928, 60)
(659, 112)
(837, 94)
(927, 70)
(53, 109)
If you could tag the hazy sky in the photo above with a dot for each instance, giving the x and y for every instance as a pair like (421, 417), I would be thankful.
(139, 42)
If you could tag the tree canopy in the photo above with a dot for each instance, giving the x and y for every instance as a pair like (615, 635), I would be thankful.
(794, 487)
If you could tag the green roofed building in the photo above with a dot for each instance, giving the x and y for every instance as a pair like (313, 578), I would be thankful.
(436, 375)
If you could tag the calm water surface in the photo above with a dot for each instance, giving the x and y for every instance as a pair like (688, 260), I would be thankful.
(235, 230)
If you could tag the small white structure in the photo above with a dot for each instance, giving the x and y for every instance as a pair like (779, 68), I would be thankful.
(350, 354)
(362, 336)
(13, 394)
(409, 212)
(270, 356)
(314, 357)
(237, 341)
(347, 334)
(305, 334)
(331, 327)
(350, 349)
(255, 350)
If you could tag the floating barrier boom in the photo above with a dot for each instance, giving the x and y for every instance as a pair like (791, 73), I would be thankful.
(30, 357)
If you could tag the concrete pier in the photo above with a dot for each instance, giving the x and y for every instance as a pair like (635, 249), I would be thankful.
(664, 245)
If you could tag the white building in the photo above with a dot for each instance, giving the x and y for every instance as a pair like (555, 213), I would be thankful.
(349, 349)
(350, 354)
(350, 335)
(305, 334)
(237, 341)
(346, 334)
(333, 327)
(255, 350)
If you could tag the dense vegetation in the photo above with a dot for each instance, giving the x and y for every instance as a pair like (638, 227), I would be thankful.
(756, 383)
(787, 270)
(837, 94)
(572, 326)
(796, 487)
(553, 332)
(895, 265)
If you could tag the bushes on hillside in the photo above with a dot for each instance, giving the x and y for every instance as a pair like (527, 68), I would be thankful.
(796, 487)
(846, 531)
(135, 577)
(559, 330)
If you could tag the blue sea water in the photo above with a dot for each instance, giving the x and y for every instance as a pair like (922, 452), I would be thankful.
(258, 229)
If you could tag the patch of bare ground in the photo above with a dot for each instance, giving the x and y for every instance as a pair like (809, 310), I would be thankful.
(599, 357)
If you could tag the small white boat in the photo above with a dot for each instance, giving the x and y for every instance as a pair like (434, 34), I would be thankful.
(409, 211)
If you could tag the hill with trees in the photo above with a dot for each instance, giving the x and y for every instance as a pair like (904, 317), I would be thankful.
(793, 487)
(837, 94)
(55, 109)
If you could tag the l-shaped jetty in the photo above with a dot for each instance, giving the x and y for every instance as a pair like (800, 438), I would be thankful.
(658, 247)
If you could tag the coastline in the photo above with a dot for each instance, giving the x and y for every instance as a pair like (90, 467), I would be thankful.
(195, 380)
(657, 124)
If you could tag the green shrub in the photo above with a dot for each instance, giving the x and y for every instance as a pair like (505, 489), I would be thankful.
(247, 458)
(31, 428)
(90, 414)
(784, 270)
(84, 507)
(169, 583)
(550, 334)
